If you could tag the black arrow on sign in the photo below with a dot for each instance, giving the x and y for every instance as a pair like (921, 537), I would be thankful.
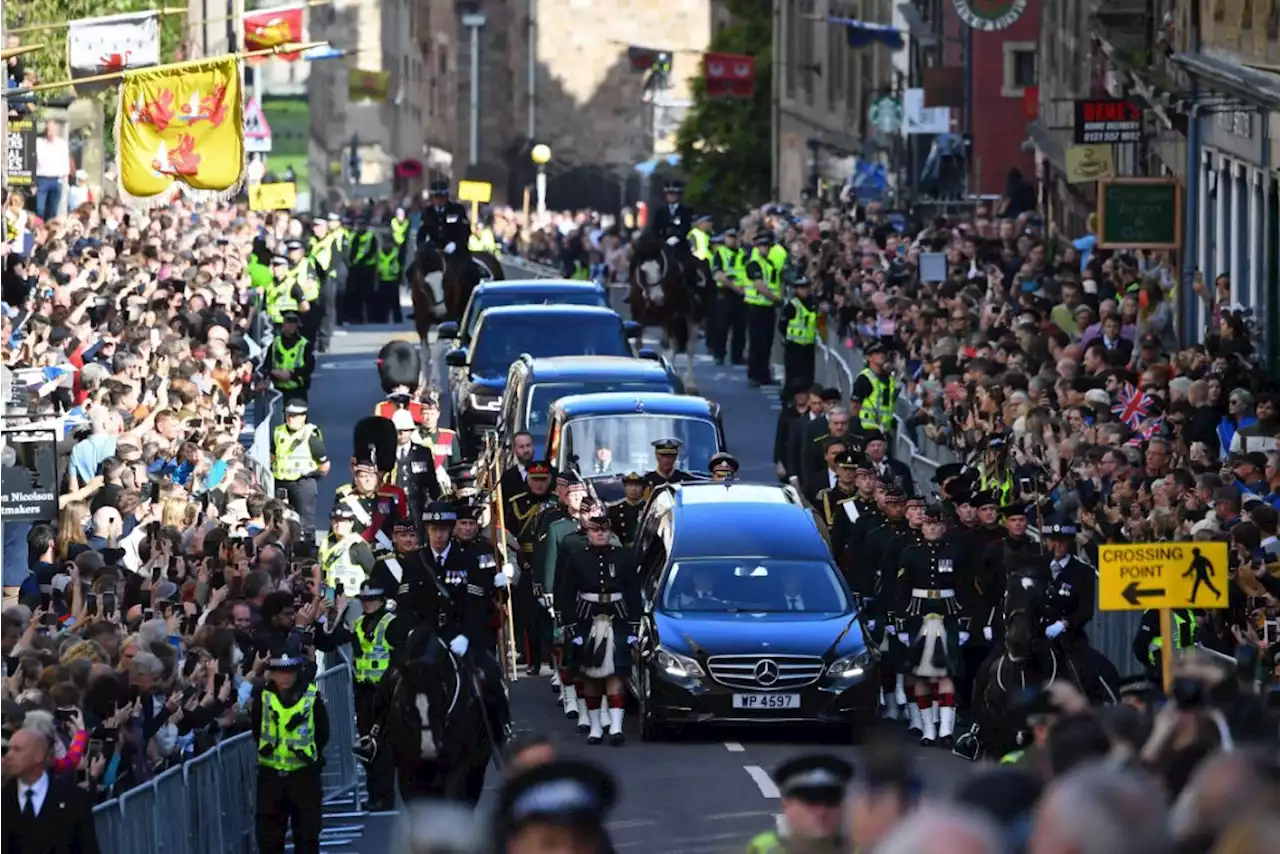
(1134, 596)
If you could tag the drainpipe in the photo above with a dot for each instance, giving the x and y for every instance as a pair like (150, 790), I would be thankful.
(1188, 299)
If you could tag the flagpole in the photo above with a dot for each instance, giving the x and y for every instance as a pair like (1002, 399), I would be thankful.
(9, 52)
(292, 47)
(165, 12)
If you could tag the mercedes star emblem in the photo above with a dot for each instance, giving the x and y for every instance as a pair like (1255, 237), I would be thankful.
(767, 672)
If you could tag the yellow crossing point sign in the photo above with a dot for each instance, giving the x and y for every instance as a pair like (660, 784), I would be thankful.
(475, 191)
(1137, 576)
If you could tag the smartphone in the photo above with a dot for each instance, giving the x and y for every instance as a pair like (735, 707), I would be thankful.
(148, 614)
(329, 594)
(282, 494)
(219, 679)
(95, 748)
(108, 602)
(176, 643)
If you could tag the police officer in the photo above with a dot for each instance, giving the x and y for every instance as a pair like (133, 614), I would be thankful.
(624, 514)
(329, 265)
(562, 803)
(875, 391)
(670, 226)
(372, 498)
(291, 360)
(600, 601)
(386, 300)
(373, 638)
(400, 234)
(291, 727)
(282, 293)
(724, 466)
(302, 271)
(666, 452)
(700, 252)
(1069, 598)
(930, 608)
(405, 576)
(446, 231)
(298, 461)
(812, 790)
(362, 271)
(345, 558)
(727, 335)
(1016, 553)
(532, 620)
(763, 294)
(799, 328)
(1149, 643)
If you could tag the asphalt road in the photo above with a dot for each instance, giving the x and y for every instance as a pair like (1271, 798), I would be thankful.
(707, 792)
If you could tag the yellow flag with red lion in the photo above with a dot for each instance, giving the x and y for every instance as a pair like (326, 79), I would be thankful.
(183, 123)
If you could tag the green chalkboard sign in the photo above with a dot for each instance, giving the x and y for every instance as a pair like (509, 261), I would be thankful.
(1140, 213)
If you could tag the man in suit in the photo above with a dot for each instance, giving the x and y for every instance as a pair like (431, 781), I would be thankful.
(807, 428)
(513, 480)
(43, 814)
(876, 446)
(833, 448)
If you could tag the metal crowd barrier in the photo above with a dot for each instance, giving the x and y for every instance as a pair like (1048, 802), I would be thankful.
(1110, 632)
(208, 803)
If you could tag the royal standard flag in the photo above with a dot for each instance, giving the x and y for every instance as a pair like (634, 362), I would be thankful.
(183, 123)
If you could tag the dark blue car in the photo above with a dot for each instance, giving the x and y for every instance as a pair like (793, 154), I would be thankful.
(746, 619)
(489, 295)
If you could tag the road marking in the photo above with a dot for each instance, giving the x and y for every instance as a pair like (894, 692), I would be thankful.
(734, 816)
(763, 781)
(733, 747)
(623, 824)
(362, 365)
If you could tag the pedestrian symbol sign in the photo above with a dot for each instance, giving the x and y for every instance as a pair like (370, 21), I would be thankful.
(257, 133)
(1137, 576)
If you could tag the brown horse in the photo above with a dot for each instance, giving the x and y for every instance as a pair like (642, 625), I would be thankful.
(443, 295)
(661, 297)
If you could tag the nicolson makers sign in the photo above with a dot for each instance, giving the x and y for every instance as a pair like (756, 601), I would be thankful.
(1107, 120)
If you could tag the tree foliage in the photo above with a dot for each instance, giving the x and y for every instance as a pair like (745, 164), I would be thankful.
(724, 143)
(50, 62)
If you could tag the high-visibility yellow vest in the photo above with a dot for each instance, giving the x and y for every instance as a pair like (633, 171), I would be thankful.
(288, 359)
(336, 564)
(373, 655)
(322, 251)
(778, 257)
(771, 281)
(301, 275)
(1184, 629)
(986, 483)
(701, 244)
(803, 328)
(766, 843)
(279, 294)
(877, 409)
(389, 265)
(292, 452)
(399, 231)
(1012, 757)
(482, 240)
(287, 739)
(363, 249)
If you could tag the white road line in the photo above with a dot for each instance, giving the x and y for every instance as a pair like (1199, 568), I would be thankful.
(763, 781)
(733, 747)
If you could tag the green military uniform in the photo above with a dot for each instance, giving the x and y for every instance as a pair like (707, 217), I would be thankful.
(291, 727)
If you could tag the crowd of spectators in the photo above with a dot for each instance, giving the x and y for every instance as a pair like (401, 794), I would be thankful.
(140, 613)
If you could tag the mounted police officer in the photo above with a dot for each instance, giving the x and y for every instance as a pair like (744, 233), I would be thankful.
(298, 461)
(532, 620)
(930, 609)
(374, 637)
(1017, 553)
(406, 577)
(600, 595)
(1069, 601)
(444, 236)
(812, 790)
(624, 514)
(666, 452)
(291, 360)
(291, 727)
(670, 225)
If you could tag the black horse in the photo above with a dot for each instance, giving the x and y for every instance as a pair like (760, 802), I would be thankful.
(436, 726)
(660, 296)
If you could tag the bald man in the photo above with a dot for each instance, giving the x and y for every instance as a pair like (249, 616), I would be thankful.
(40, 814)
(940, 829)
(1101, 809)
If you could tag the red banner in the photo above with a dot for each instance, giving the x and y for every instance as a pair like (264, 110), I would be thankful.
(267, 28)
(730, 75)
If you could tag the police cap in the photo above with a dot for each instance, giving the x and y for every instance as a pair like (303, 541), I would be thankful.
(288, 316)
(333, 217)
(764, 238)
(286, 662)
(667, 446)
(293, 246)
(538, 469)
(724, 463)
(673, 187)
(342, 511)
(369, 591)
(729, 232)
(819, 778)
(565, 792)
(717, 239)
(279, 261)
(633, 477)
(847, 460)
(439, 188)
(439, 512)
(1059, 528)
(873, 348)
(295, 406)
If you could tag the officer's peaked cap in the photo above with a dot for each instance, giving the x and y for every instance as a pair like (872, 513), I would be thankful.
(667, 446)
(564, 792)
(295, 406)
(285, 662)
(847, 460)
(818, 773)
(341, 511)
(538, 468)
(369, 591)
(724, 461)
(633, 477)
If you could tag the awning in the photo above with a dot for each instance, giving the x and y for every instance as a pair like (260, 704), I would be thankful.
(862, 34)
(1250, 85)
(647, 167)
(1048, 143)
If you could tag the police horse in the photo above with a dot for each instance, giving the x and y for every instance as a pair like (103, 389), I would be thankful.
(435, 724)
(443, 294)
(1024, 661)
(660, 296)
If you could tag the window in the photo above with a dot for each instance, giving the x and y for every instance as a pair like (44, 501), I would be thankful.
(1019, 68)
(616, 444)
(542, 395)
(498, 345)
(805, 56)
(753, 585)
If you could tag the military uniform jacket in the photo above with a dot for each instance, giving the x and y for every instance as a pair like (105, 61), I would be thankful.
(1006, 557)
(1070, 594)
(442, 226)
(412, 583)
(655, 478)
(467, 578)
(928, 566)
(415, 473)
(376, 513)
(601, 573)
(669, 221)
(521, 520)
(840, 510)
(625, 519)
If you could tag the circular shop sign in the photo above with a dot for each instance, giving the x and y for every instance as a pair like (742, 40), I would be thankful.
(990, 14)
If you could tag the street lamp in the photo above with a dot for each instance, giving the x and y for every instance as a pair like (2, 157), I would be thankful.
(541, 156)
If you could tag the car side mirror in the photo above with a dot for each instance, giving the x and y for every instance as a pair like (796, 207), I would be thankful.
(446, 331)
(456, 358)
(648, 353)
(632, 329)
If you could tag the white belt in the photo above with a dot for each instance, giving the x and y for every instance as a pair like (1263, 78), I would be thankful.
(600, 598)
(921, 593)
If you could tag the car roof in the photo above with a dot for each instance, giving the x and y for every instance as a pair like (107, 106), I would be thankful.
(766, 521)
(635, 403)
(539, 286)
(505, 311)
(569, 368)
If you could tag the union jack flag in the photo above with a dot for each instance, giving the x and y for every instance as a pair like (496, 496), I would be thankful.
(1149, 428)
(1133, 405)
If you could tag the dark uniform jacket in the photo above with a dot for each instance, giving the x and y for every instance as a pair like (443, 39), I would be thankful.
(411, 581)
(625, 519)
(467, 577)
(416, 475)
(879, 570)
(601, 571)
(1003, 558)
(800, 435)
(928, 566)
(375, 513)
(1070, 597)
(900, 472)
(654, 479)
(672, 221)
(841, 510)
(442, 226)
(512, 484)
(320, 713)
(527, 514)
